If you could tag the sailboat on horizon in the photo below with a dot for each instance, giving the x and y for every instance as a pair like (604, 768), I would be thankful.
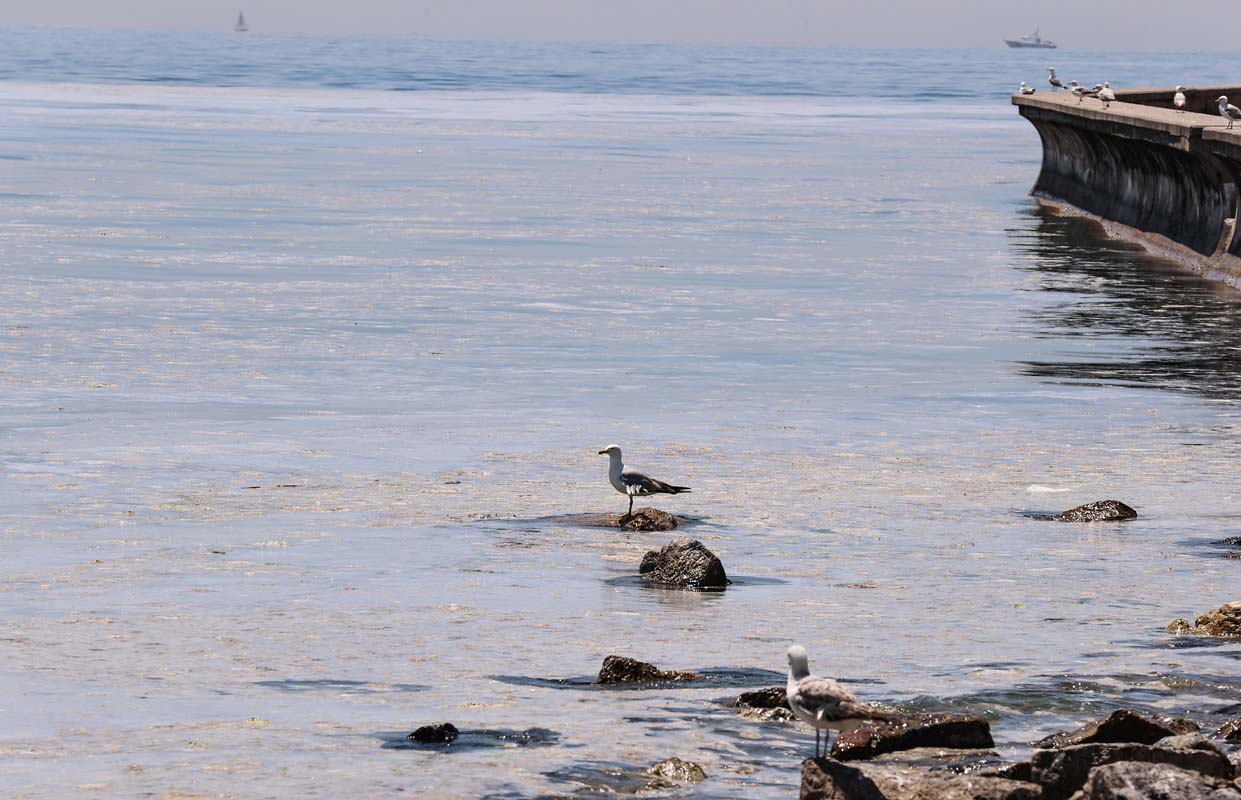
(241, 27)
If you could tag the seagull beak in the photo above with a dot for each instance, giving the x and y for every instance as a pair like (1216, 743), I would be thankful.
(603, 452)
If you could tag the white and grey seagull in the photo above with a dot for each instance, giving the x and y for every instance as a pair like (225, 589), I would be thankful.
(633, 483)
(1082, 92)
(1228, 112)
(1106, 94)
(824, 703)
(1026, 90)
(1056, 85)
(1178, 99)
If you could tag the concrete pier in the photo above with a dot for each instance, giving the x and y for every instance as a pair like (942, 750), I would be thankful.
(1149, 173)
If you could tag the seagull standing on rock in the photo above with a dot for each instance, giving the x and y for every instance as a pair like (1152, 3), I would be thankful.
(1178, 99)
(824, 703)
(1056, 85)
(1228, 112)
(631, 482)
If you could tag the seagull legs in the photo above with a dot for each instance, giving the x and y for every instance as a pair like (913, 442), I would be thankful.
(816, 742)
(630, 511)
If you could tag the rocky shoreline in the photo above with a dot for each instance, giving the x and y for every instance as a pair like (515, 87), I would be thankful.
(944, 756)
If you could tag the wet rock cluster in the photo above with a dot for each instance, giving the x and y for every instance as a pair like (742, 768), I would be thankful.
(1100, 511)
(647, 519)
(619, 669)
(955, 731)
(439, 733)
(683, 564)
(1125, 757)
(766, 705)
(1222, 621)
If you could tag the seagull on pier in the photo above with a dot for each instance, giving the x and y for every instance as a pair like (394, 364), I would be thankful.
(1178, 99)
(1056, 85)
(1026, 89)
(1106, 94)
(1228, 112)
(631, 482)
(824, 703)
(1082, 92)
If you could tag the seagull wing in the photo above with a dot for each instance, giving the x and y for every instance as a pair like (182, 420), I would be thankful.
(830, 701)
(640, 484)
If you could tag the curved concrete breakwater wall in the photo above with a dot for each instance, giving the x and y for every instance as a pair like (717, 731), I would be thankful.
(1164, 178)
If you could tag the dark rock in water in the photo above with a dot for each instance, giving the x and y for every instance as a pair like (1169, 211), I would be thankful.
(827, 779)
(775, 697)
(1230, 731)
(957, 731)
(1223, 621)
(765, 705)
(1180, 625)
(1062, 772)
(675, 771)
(640, 517)
(1102, 511)
(1231, 541)
(1122, 726)
(1130, 781)
(684, 563)
(618, 669)
(647, 519)
(440, 733)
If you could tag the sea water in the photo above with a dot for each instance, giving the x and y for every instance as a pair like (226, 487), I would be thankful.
(308, 347)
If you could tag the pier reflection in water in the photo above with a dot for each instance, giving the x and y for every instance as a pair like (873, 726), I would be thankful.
(1149, 322)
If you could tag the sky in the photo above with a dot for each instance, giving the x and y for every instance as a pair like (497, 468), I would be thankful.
(1100, 24)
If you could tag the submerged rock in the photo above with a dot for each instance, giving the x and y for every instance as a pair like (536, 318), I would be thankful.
(1231, 541)
(647, 519)
(685, 564)
(674, 770)
(774, 697)
(827, 779)
(764, 705)
(956, 731)
(439, 733)
(639, 518)
(1062, 772)
(1122, 726)
(1101, 511)
(1137, 781)
(1222, 621)
(618, 669)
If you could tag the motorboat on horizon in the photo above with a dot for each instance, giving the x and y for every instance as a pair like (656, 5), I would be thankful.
(1033, 40)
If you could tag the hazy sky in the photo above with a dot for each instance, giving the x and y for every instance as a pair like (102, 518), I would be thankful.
(1105, 24)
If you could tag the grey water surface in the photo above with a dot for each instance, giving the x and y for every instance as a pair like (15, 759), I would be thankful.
(304, 378)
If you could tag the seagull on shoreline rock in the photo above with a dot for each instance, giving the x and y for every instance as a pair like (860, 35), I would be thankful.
(1178, 99)
(1228, 112)
(1056, 85)
(824, 703)
(631, 482)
